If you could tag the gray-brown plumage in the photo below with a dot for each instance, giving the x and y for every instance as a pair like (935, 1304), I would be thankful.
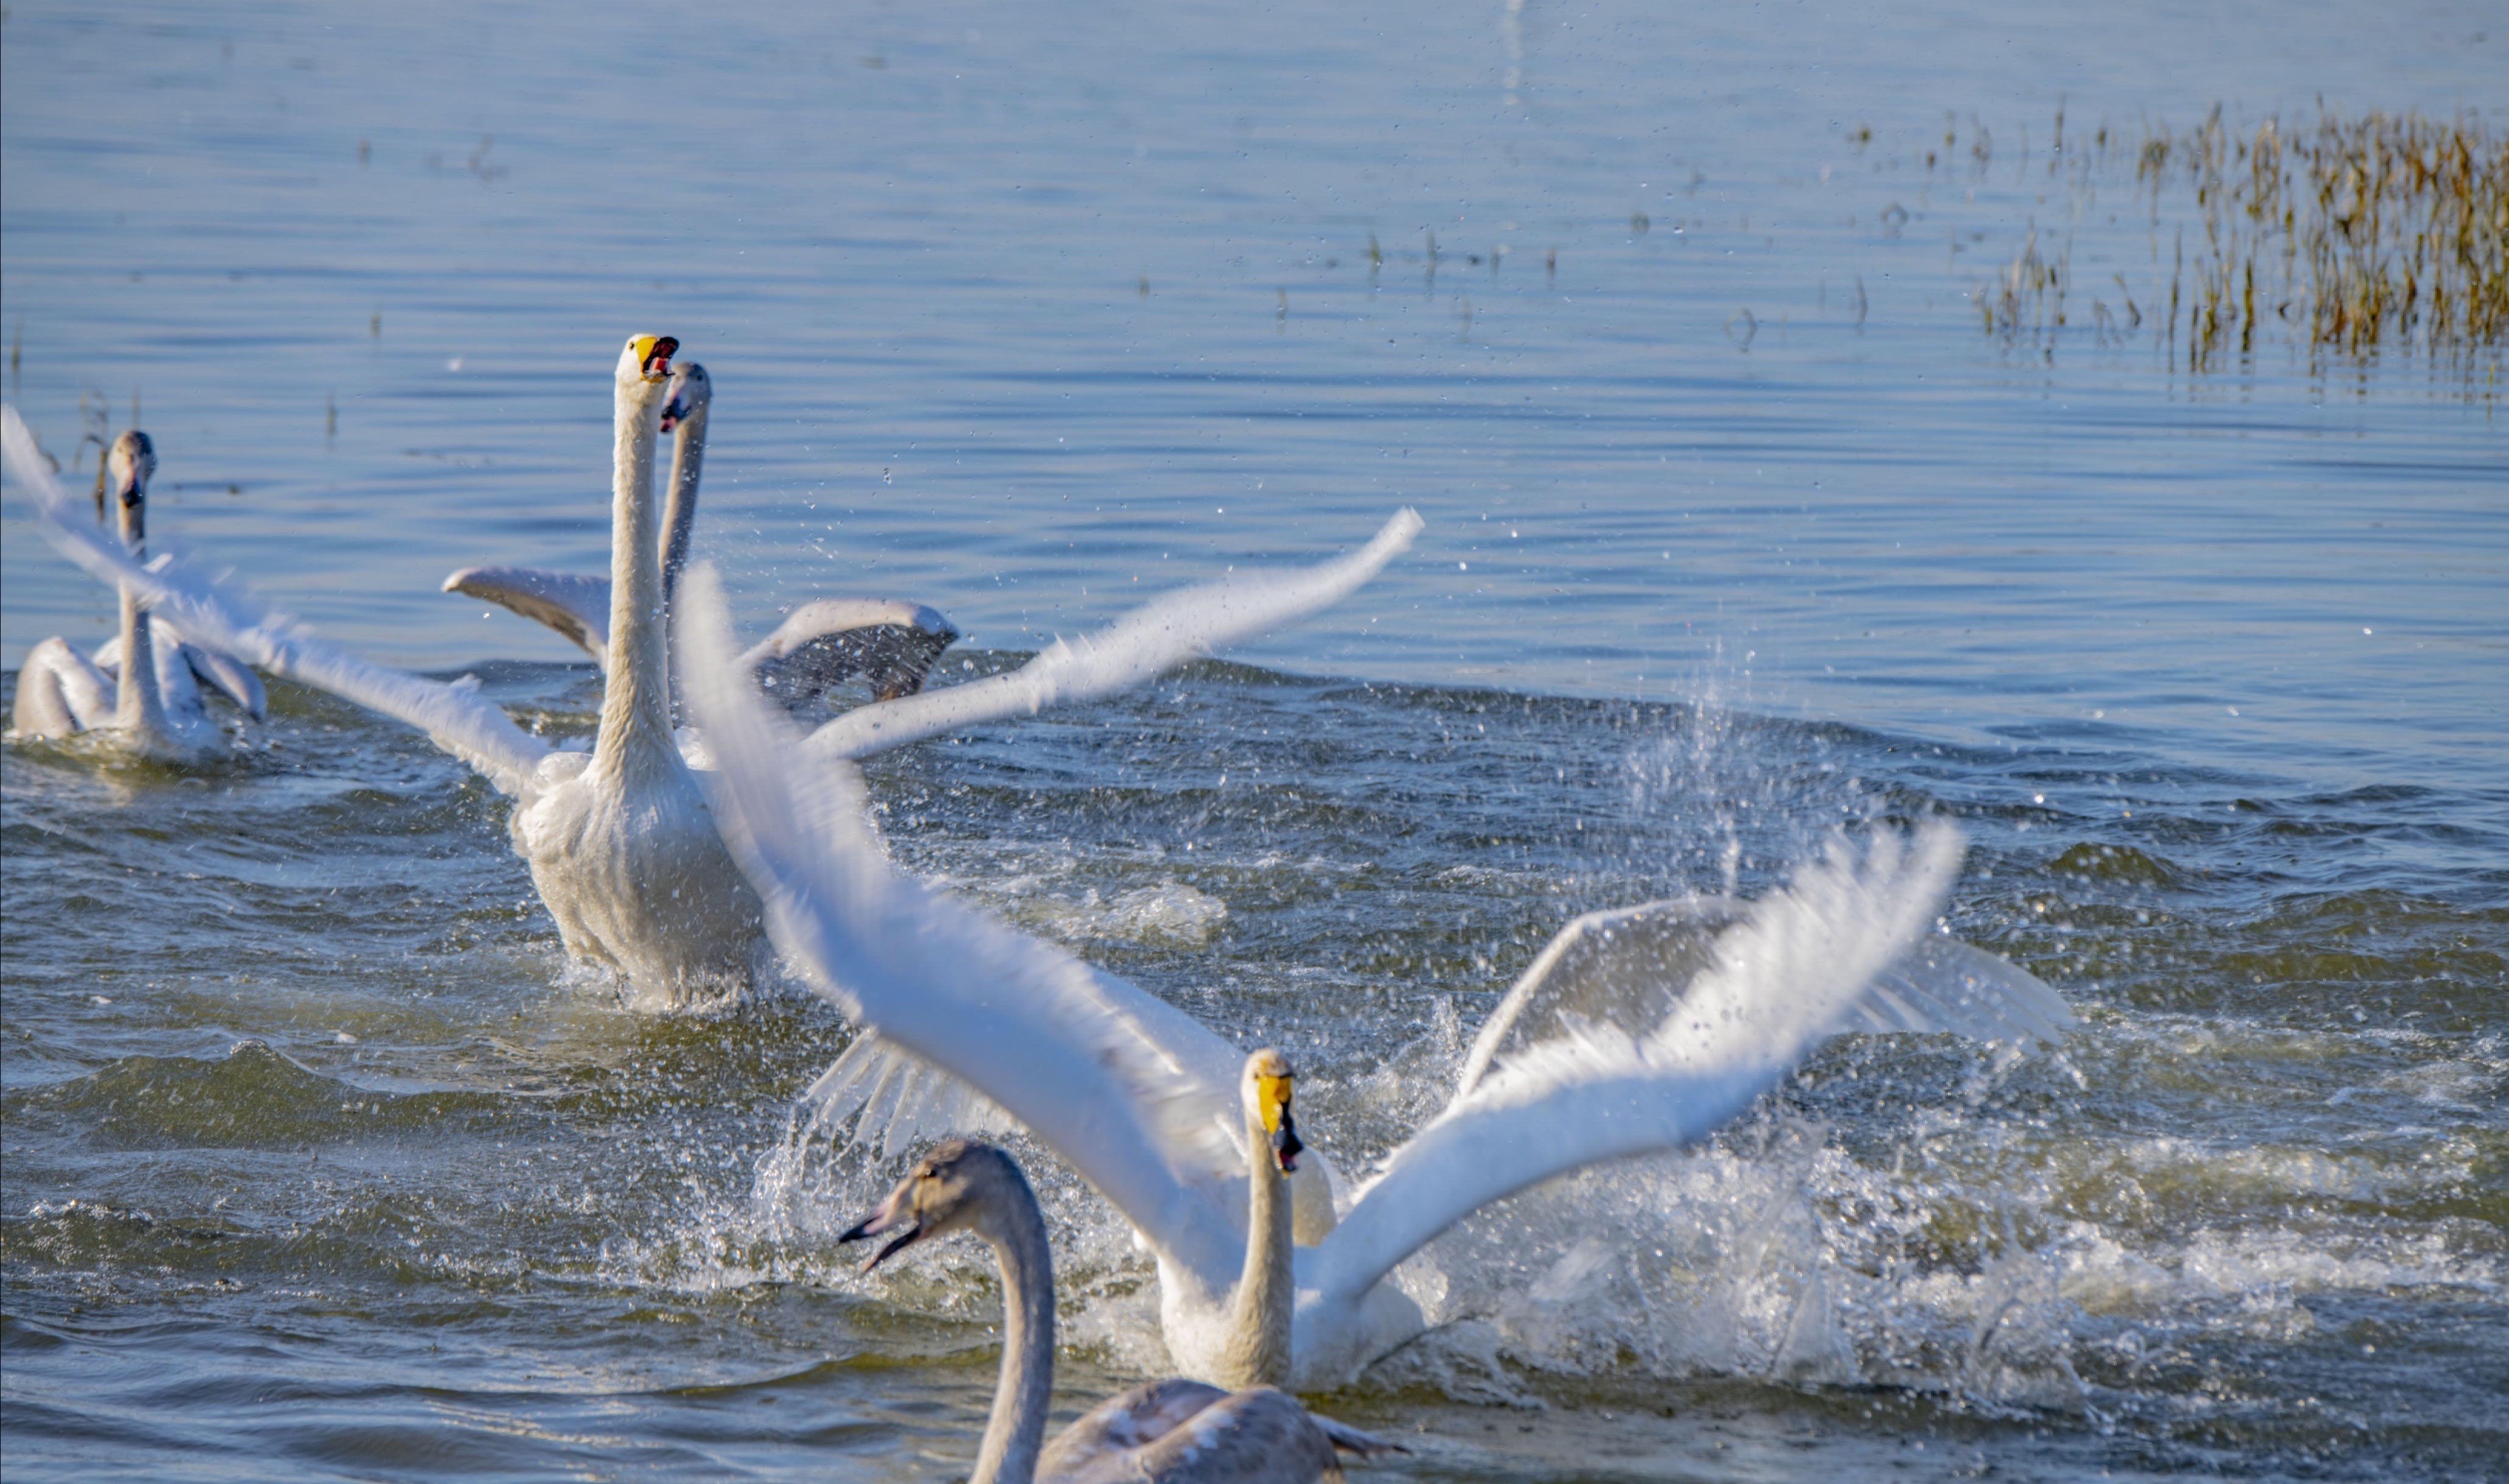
(1164, 1433)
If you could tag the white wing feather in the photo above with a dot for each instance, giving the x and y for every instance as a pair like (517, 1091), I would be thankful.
(1791, 972)
(1157, 636)
(213, 667)
(1625, 967)
(576, 608)
(457, 721)
(898, 1104)
(1035, 1028)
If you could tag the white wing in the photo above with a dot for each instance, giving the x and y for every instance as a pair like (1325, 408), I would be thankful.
(226, 674)
(62, 692)
(897, 1102)
(1036, 1030)
(1945, 984)
(829, 640)
(1788, 974)
(1626, 968)
(577, 608)
(1159, 634)
(458, 721)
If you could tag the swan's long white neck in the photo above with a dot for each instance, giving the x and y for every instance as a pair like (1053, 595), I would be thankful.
(137, 707)
(1258, 1349)
(636, 701)
(1016, 1434)
(679, 506)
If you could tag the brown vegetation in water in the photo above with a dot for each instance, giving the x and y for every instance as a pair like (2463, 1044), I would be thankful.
(2356, 237)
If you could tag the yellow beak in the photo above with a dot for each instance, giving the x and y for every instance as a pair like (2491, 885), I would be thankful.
(1272, 1101)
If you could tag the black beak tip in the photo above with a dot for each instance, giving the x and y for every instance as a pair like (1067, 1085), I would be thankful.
(1286, 1146)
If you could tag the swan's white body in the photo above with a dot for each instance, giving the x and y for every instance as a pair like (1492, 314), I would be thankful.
(621, 844)
(819, 644)
(162, 712)
(619, 841)
(1143, 1102)
(1165, 1433)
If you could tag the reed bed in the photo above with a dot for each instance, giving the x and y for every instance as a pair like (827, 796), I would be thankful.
(2349, 237)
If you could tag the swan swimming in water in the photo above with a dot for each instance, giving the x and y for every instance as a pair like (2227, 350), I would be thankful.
(1164, 1433)
(1143, 1102)
(145, 687)
(619, 840)
(819, 644)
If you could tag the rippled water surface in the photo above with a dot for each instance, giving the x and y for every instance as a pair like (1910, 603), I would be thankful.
(322, 1162)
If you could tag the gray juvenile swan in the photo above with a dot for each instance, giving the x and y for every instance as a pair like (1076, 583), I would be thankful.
(820, 644)
(160, 711)
(1165, 1433)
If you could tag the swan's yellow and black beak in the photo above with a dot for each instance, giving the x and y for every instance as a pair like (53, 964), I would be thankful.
(653, 355)
(895, 1215)
(1272, 1106)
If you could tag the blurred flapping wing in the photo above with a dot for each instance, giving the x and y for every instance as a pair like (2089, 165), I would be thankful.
(1157, 636)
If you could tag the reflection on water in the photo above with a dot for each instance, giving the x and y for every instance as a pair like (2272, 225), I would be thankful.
(1739, 527)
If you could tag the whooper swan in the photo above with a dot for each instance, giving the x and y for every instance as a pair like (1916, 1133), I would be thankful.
(145, 687)
(820, 643)
(1139, 1099)
(619, 840)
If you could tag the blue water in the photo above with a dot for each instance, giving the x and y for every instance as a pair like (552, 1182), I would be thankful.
(1739, 525)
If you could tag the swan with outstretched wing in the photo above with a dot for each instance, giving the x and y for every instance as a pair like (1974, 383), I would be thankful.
(820, 644)
(619, 840)
(156, 706)
(1145, 1105)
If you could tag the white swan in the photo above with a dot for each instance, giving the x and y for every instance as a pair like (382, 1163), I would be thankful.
(819, 644)
(1164, 1433)
(162, 712)
(619, 841)
(1140, 1100)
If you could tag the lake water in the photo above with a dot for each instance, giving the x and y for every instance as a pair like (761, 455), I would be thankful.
(320, 1163)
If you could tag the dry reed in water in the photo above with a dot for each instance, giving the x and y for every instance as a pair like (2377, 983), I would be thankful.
(2355, 236)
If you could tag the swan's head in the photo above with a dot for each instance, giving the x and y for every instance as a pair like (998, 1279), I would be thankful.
(962, 1185)
(129, 464)
(692, 390)
(1269, 1080)
(645, 365)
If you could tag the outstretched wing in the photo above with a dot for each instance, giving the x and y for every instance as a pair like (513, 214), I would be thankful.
(831, 640)
(1159, 634)
(1039, 1031)
(1789, 972)
(1626, 968)
(896, 1102)
(577, 608)
(208, 611)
